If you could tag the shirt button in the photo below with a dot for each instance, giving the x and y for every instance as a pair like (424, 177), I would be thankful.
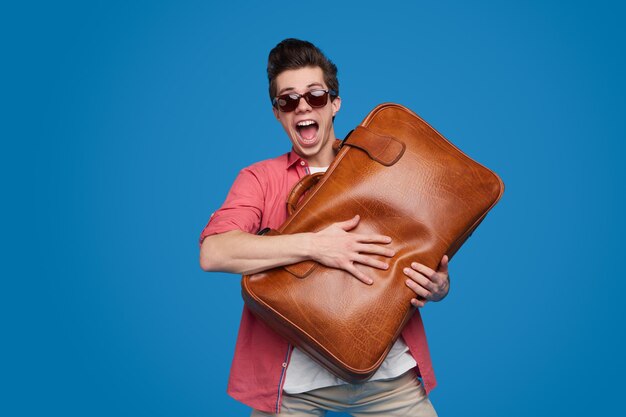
(284, 364)
(302, 163)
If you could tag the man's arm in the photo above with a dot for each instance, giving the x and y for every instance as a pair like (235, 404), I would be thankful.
(335, 246)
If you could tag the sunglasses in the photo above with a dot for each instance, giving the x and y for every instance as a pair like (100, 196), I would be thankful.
(315, 98)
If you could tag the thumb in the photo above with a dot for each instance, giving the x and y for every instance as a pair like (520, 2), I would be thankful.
(443, 266)
(349, 224)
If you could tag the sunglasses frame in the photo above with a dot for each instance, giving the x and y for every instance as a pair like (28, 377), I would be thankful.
(306, 96)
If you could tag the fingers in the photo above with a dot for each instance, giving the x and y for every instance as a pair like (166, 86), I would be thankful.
(419, 278)
(358, 274)
(443, 265)
(418, 283)
(426, 277)
(418, 303)
(437, 278)
(423, 269)
(426, 283)
(375, 250)
(374, 239)
(354, 222)
(429, 272)
(349, 224)
(369, 261)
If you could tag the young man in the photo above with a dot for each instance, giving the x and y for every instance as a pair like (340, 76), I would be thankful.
(267, 373)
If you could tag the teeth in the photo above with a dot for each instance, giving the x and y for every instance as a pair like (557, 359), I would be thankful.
(305, 123)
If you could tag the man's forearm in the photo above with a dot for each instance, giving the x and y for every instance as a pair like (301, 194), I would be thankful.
(244, 253)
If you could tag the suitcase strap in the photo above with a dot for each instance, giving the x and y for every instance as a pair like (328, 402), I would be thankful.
(385, 150)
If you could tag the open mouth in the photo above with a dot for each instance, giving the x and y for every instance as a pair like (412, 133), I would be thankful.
(307, 130)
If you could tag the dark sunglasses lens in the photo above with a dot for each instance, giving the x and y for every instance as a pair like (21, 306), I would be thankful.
(317, 98)
(288, 102)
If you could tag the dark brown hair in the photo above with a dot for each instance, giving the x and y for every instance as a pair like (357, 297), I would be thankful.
(295, 53)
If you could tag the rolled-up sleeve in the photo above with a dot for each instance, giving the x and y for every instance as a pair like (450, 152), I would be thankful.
(242, 208)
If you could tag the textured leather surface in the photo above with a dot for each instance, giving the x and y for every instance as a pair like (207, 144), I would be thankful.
(405, 181)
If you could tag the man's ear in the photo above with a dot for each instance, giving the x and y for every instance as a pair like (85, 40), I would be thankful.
(275, 110)
(336, 103)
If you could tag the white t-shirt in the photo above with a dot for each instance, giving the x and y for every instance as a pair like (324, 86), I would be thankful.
(315, 170)
(304, 374)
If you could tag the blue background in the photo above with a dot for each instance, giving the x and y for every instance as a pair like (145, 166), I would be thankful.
(123, 125)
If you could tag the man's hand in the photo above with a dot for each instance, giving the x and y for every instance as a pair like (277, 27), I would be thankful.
(336, 247)
(429, 285)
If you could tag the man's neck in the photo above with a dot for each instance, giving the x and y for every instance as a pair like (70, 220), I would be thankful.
(319, 161)
(323, 158)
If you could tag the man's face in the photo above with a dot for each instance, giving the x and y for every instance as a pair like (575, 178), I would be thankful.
(310, 129)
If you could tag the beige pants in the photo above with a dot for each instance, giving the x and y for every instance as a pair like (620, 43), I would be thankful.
(403, 396)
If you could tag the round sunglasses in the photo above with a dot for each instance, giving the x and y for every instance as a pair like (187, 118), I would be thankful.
(315, 98)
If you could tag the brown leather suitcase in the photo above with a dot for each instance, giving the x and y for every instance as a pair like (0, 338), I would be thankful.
(406, 181)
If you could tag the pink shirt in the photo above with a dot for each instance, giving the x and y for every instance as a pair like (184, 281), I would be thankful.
(257, 199)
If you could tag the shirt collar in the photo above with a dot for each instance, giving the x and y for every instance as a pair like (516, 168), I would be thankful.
(293, 158)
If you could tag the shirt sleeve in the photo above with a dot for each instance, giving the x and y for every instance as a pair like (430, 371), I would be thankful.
(242, 209)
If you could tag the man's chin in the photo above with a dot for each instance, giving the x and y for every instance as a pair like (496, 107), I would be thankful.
(306, 152)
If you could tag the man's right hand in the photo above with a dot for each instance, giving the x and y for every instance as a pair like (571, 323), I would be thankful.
(337, 247)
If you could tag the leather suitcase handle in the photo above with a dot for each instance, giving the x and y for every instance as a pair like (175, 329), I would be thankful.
(298, 190)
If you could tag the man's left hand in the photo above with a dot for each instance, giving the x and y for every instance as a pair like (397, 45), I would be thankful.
(427, 284)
